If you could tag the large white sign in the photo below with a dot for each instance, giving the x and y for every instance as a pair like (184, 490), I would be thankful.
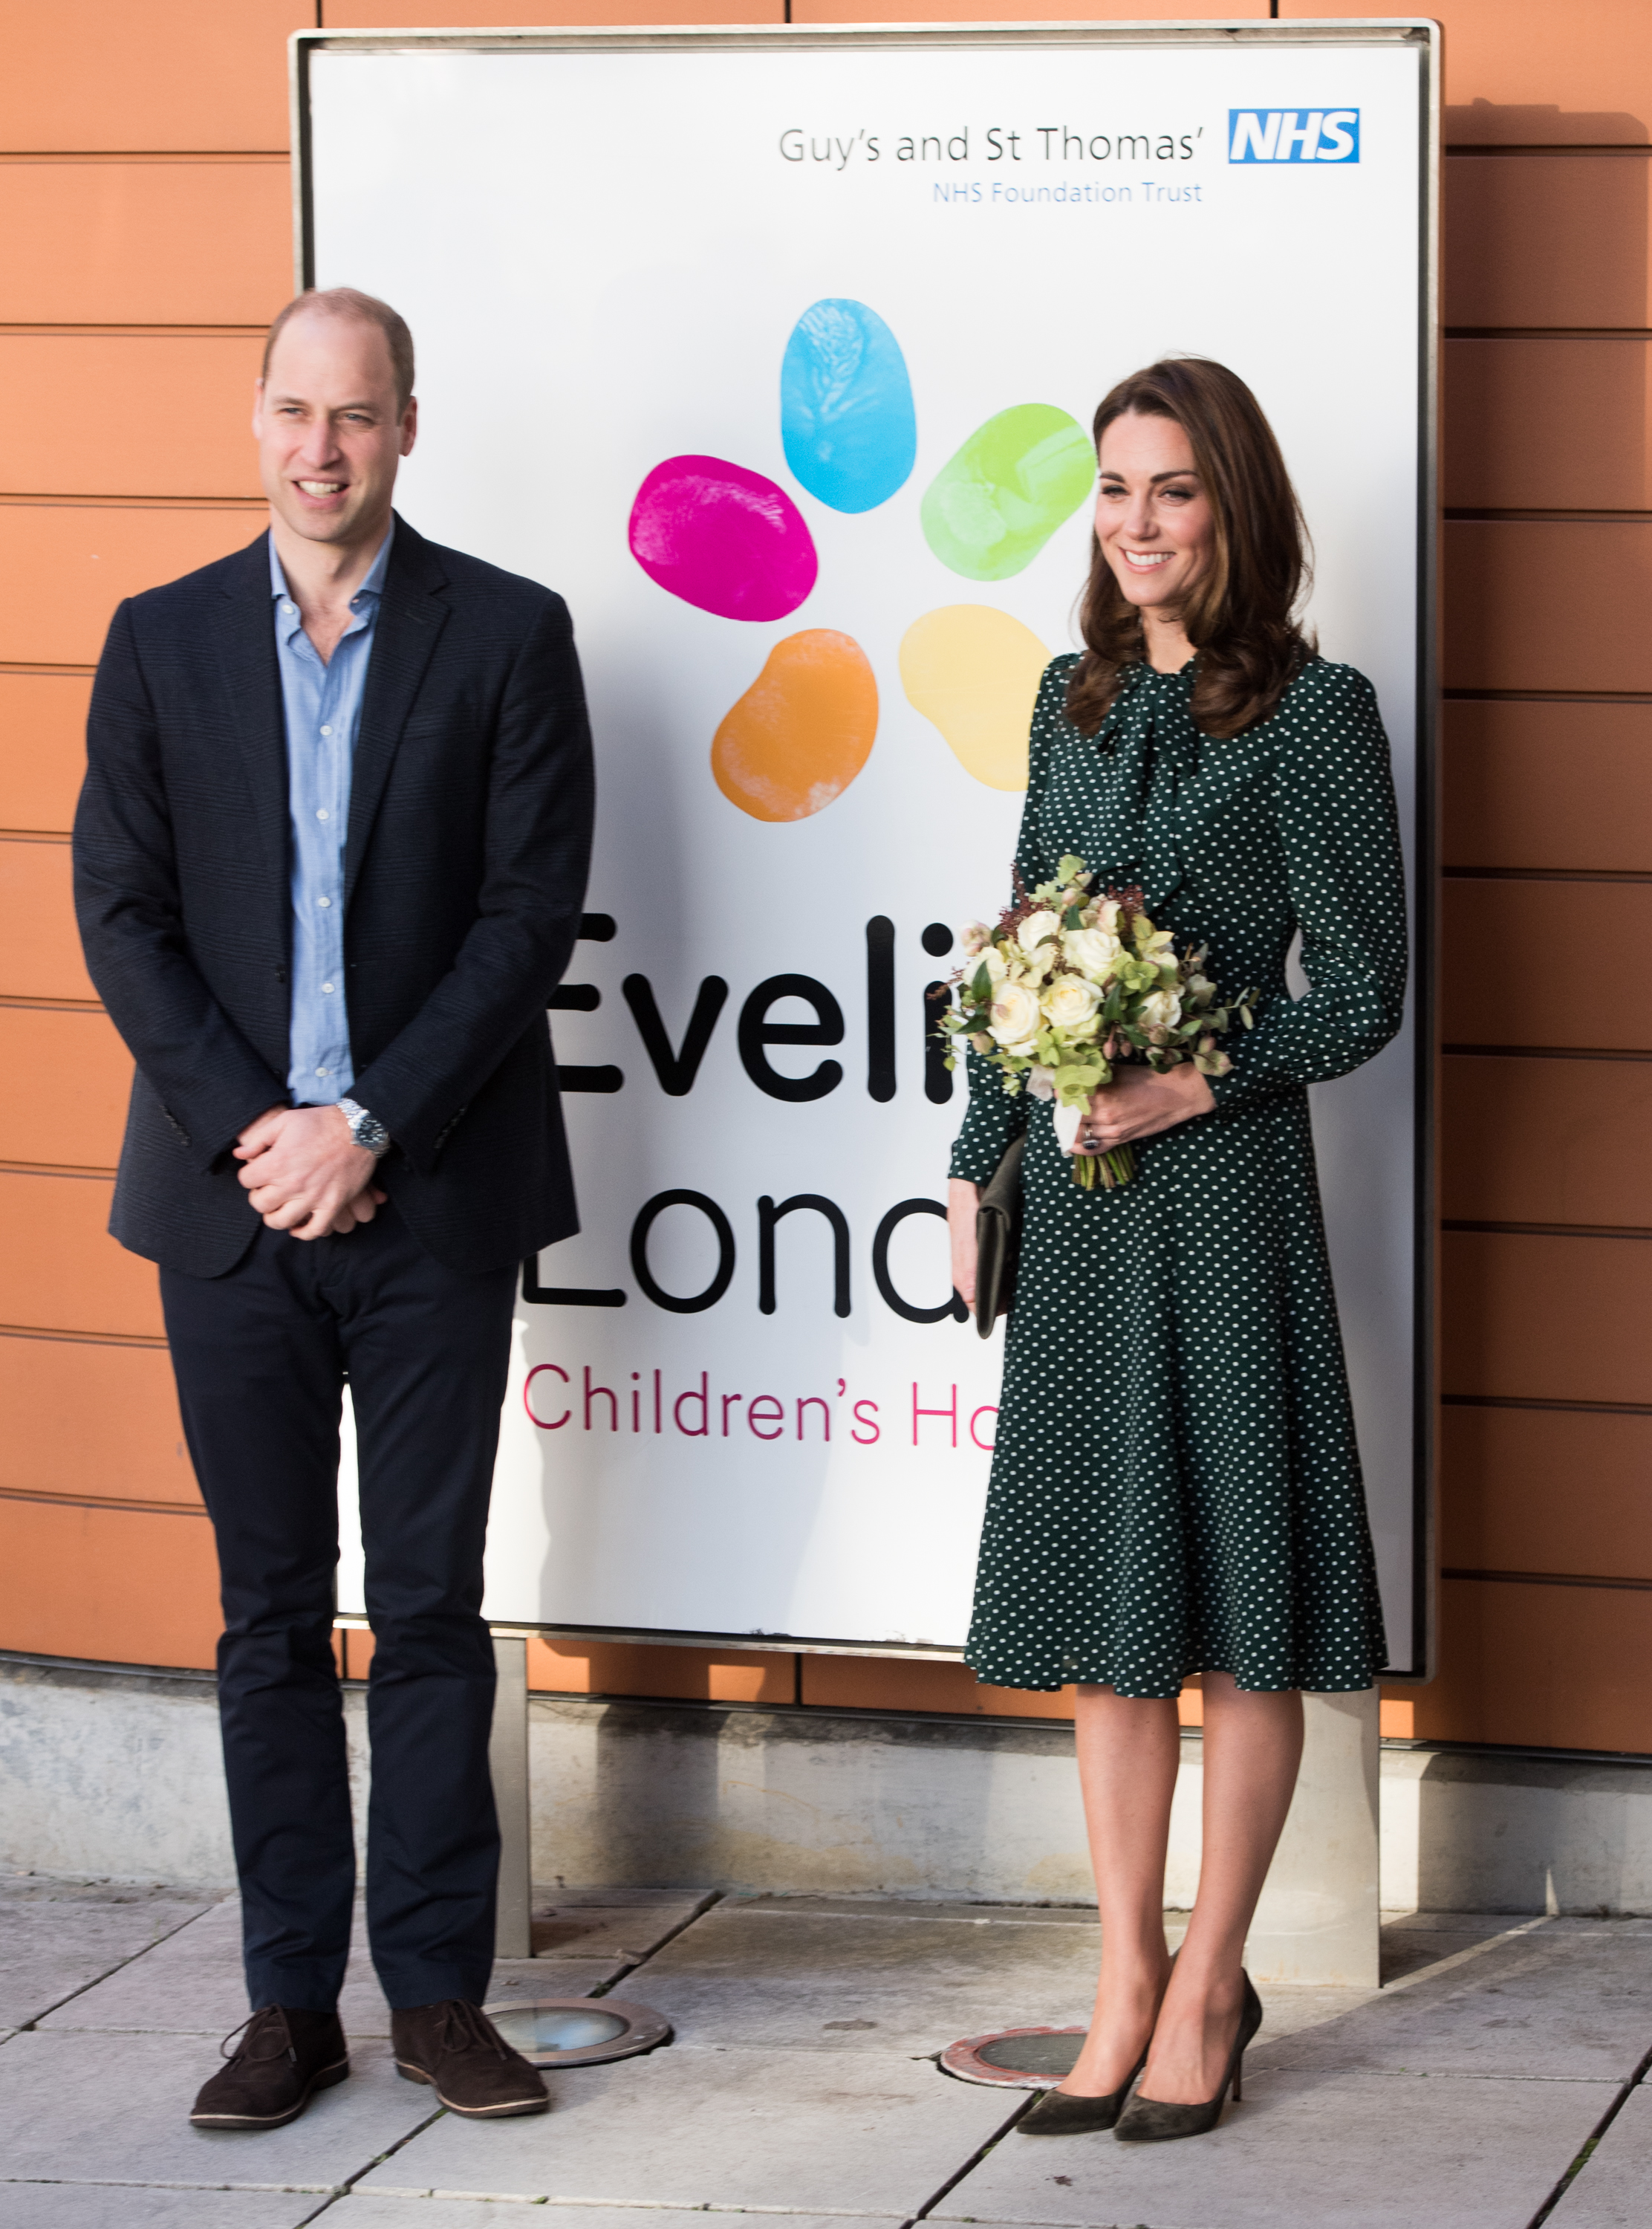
(776, 354)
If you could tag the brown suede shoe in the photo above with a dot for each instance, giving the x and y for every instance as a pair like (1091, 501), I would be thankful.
(457, 2049)
(283, 2056)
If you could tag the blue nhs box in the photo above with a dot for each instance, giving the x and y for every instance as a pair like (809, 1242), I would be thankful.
(1293, 135)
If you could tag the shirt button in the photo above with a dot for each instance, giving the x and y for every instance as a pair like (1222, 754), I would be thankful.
(324, 901)
(326, 986)
(327, 731)
(321, 1072)
(321, 812)
(292, 610)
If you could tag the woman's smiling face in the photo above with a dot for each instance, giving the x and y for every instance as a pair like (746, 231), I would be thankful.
(1153, 519)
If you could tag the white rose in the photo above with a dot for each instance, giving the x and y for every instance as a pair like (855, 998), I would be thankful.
(1036, 928)
(1014, 1016)
(1105, 914)
(993, 960)
(1163, 1011)
(1070, 1001)
(1095, 950)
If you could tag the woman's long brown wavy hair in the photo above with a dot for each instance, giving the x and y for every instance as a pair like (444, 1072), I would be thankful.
(1240, 617)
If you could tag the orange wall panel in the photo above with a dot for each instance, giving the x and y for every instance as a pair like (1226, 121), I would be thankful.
(60, 1270)
(64, 568)
(64, 1080)
(620, 1667)
(1547, 424)
(1546, 1490)
(163, 74)
(1535, 73)
(905, 1683)
(1513, 975)
(145, 243)
(1540, 1319)
(1034, 11)
(1545, 1141)
(1547, 604)
(1558, 1668)
(42, 747)
(1547, 785)
(99, 414)
(435, 15)
(125, 1586)
(1546, 239)
(96, 1421)
(40, 945)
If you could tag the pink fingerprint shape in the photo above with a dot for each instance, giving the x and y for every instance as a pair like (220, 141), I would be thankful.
(723, 539)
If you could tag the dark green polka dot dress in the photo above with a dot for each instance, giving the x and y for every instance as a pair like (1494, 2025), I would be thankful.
(1176, 1487)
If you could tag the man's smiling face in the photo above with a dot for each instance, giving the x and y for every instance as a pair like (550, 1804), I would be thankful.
(331, 429)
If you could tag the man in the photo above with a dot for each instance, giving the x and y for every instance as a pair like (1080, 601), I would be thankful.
(330, 859)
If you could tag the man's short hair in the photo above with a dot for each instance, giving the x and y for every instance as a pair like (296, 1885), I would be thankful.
(365, 309)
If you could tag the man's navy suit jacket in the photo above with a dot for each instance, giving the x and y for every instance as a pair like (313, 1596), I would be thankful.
(464, 869)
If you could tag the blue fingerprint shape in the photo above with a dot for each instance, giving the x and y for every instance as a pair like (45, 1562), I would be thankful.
(846, 407)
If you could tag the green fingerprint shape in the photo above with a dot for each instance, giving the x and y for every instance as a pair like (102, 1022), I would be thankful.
(989, 510)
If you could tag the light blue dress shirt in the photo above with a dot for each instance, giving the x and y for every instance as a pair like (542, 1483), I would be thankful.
(322, 704)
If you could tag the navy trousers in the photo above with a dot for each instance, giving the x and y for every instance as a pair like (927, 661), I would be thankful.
(261, 1357)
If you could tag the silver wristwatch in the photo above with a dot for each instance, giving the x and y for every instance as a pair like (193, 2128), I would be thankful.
(365, 1128)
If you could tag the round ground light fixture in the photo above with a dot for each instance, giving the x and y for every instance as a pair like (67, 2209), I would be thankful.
(1016, 2058)
(579, 2030)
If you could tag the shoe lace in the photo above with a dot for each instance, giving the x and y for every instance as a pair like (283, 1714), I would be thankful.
(266, 2026)
(466, 2026)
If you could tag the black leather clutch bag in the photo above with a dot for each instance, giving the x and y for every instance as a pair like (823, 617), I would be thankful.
(997, 1239)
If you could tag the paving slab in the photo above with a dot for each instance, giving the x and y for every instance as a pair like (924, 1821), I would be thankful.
(56, 1938)
(1348, 2150)
(877, 1982)
(124, 2116)
(120, 2206)
(563, 1929)
(1613, 2188)
(361, 2210)
(788, 2131)
(1572, 2005)
(1408, 1945)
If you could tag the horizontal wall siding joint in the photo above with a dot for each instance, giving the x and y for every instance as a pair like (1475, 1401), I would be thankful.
(104, 1501)
(147, 332)
(50, 672)
(1483, 696)
(83, 1338)
(1548, 1579)
(60, 836)
(1565, 1408)
(51, 1005)
(1467, 1051)
(1545, 333)
(1476, 152)
(171, 155)
(1551, 1229)
(53, 1169)
(18, 500)
(1478, 515)
(1536, 874)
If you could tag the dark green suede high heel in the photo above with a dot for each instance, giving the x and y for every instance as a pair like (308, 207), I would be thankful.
(1058, 2113)
(1149, 2120)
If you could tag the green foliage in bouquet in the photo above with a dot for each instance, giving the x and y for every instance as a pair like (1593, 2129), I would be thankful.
(1070, 985)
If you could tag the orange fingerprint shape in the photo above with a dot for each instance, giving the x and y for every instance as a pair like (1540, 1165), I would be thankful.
(802, 730)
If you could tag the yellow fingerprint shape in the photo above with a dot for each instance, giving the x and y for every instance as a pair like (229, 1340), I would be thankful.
(802, 730)
(975, 672)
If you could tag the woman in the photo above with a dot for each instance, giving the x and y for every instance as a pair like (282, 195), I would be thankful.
(1176, 1487)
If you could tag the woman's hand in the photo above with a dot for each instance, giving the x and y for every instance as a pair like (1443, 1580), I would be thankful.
(1139, 1102)
(962, 1198)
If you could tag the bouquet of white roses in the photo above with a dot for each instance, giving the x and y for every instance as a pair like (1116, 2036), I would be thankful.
(1069, 985)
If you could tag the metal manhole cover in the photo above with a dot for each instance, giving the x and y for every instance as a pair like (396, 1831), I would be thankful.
(579, 2030)
(1016, 2058)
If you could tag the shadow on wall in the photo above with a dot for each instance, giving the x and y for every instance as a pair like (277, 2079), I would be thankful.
(1520, 1833)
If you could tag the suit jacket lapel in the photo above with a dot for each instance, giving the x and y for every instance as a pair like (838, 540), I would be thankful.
(252, 680)
(412, 615)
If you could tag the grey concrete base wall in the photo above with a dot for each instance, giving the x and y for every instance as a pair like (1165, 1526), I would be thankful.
(110, 1774)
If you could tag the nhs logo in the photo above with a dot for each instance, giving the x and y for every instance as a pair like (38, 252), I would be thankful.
(1293, 135)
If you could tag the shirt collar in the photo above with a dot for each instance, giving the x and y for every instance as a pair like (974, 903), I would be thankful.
(373, 585)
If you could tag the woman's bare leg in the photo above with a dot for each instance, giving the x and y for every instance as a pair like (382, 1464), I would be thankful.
(1252, 1750)
(1128, 1754)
